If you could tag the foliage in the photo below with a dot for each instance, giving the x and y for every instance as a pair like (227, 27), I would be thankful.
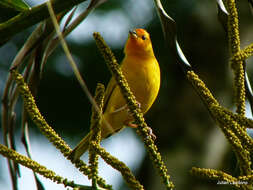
(42, 43)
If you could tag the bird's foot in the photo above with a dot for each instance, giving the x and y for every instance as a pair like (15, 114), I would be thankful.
(151, 134)
(138, 105)
(129, 123)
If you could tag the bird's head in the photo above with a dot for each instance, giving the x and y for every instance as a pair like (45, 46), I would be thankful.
(139, 43)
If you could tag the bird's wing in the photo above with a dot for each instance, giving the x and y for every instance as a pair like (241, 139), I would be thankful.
(109, 90)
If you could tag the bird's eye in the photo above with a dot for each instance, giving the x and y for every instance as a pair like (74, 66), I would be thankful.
(143, 37)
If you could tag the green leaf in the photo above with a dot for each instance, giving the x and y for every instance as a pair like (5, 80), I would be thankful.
(251, 5)
(170, 34)
(18, 5)
(10, 8)
(7, 13)
(222, 14)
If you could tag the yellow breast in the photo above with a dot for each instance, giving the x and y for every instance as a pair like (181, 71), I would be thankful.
(143, 77)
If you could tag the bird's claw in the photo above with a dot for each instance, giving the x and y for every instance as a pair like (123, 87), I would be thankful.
(134, 126)
(138, 105)
(151, 134)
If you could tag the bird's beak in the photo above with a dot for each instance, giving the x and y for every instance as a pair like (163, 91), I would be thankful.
(133, 33)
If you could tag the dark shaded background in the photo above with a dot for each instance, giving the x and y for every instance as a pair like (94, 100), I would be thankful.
(186, 134)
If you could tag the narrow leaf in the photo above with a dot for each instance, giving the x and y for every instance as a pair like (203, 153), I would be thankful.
(95, 3)
(18, 5)
(69, 18)
(249, 92)
(251, 6)
(170, 35)
(222, 14)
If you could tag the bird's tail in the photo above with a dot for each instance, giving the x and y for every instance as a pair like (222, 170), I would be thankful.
(80, 149)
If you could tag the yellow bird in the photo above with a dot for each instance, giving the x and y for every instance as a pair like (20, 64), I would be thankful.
(142, 73)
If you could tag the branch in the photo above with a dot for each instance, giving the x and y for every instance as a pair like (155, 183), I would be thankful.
(48, 131)
(40, 169)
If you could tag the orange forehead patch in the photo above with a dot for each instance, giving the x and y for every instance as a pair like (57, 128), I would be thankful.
(140, 31)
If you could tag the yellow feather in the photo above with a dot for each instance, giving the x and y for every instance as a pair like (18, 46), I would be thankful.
(142, 72)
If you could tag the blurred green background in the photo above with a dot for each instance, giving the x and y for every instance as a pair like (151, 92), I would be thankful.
(186, 134)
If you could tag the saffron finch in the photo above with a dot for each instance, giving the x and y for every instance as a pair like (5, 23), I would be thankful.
(142, 73)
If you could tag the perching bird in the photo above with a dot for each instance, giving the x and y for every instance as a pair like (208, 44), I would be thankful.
(142, 73)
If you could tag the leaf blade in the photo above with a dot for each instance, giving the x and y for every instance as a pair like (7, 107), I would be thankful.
(18, 5)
